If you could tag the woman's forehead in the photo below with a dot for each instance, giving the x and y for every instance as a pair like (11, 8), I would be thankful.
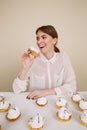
(40, 33)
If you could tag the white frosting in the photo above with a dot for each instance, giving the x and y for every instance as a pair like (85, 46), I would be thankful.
(76, 97)
(64, 113)
(4, 105)
(85, 112)
(1, 97)
(13, 113)
(83, 104)
(84, 116)
(61, 102)
(34, 49)
(42, 101)
(36, 122)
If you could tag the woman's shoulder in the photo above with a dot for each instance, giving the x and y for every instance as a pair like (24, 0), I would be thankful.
(63, 54)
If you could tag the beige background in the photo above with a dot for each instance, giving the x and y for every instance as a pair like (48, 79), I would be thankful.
(20, 18)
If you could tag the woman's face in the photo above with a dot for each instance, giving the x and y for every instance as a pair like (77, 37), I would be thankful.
(45, 42)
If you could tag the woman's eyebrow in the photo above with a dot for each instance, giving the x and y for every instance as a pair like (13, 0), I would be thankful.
(41, 36)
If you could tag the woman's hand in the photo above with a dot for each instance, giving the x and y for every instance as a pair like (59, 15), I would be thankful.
(40, 93)
(27, 61)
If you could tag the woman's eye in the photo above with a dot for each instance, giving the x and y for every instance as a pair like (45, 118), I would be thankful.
(44, 37)
(37, 38)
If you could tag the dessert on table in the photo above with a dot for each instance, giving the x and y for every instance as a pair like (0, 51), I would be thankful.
(76, 97)
(36, 122)
(82, 104)
(42, 101)
(2, 98)
(4, 106)
(13, 114)
(61, 102)
(0, 127)
(83, 118)
(64, 114)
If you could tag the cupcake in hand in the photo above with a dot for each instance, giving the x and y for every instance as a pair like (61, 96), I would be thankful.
(33, 51)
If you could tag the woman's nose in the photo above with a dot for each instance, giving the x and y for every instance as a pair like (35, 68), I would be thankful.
(40, 40)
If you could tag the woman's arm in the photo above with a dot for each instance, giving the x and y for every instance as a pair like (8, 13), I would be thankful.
(27, 62)
(40, 93)
(20, 83)
(69, 80)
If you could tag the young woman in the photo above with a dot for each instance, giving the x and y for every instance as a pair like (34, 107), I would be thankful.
(50, 73)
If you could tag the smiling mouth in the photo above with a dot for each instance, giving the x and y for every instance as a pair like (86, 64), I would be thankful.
(41, 46)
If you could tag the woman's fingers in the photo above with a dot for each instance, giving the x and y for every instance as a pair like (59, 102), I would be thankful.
(34, 95)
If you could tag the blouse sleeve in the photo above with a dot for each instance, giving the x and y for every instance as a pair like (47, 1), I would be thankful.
(19, 85)
(69, 80)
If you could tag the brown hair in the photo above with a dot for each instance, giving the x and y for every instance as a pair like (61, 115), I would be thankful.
(50, 30)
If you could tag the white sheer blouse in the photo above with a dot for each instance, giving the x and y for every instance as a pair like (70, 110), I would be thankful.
(55, 73)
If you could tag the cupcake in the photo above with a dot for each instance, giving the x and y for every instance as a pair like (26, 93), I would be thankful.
(82, 104)
(61, 102)
(2, 98)
(33, 51)
(0, 127)
(76, 97)
(4, 106)
(42, 101)
(83, 118)
(13, 114)
(64, 114)
(36, 122)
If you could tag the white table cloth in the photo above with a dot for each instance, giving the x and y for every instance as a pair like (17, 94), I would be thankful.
(29, 108)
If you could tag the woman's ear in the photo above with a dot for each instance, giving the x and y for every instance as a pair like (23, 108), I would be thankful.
(54, 41)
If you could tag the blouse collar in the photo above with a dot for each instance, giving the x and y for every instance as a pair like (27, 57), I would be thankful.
(46, 60)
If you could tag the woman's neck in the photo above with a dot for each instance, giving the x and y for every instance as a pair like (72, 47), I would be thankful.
(49, 55)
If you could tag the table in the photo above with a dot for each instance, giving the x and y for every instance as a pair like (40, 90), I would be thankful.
(29, 108)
